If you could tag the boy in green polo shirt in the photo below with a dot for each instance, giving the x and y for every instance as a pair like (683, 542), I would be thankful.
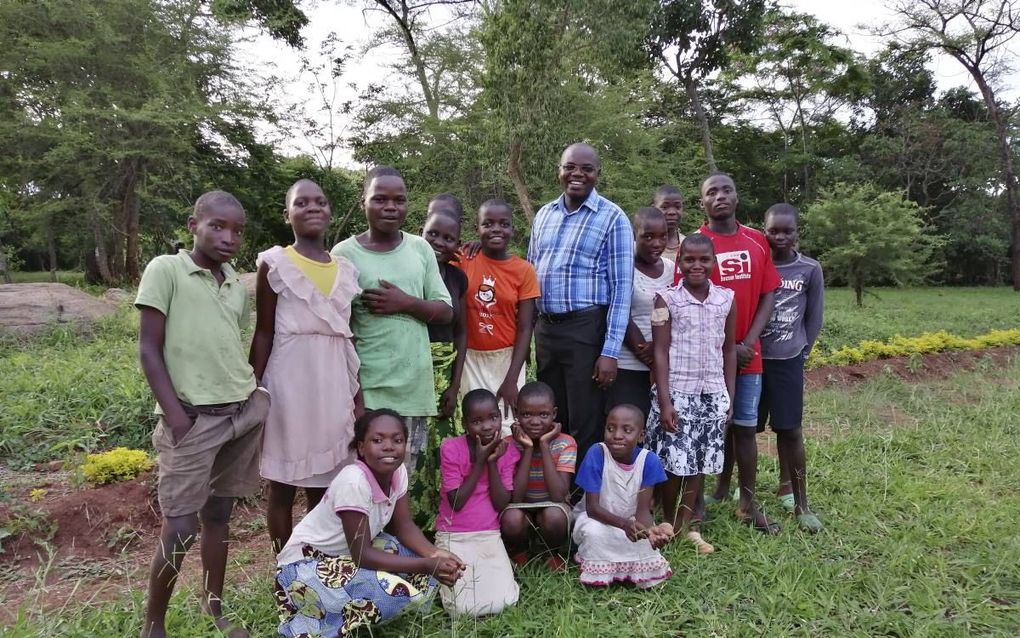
(193, 307)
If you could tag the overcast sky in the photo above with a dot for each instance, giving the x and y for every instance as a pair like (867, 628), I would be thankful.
(356, 27)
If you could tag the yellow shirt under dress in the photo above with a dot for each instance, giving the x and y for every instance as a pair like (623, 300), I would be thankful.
(323, 275)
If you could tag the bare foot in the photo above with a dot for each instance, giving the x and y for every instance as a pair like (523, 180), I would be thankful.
(153, 631)
(232, 630)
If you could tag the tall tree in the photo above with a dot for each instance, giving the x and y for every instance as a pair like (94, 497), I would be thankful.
(542, 59)
(101, 98)
(802, 79)
(695, 38)
(975, 33)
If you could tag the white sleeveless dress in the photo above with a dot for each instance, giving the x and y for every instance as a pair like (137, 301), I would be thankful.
(604, 552)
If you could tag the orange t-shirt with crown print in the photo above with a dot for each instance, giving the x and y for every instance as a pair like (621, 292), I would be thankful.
(494, 289)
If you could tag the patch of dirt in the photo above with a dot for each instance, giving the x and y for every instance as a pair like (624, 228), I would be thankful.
(938, 365)
(31, 308)
(77, 545)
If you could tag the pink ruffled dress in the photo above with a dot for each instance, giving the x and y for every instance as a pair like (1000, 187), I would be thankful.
(311, 375)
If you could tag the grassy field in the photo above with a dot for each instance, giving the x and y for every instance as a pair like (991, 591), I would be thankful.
(887, 312)
(915, 482)
(64, 393)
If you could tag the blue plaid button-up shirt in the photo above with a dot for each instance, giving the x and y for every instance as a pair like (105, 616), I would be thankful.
(585, 258)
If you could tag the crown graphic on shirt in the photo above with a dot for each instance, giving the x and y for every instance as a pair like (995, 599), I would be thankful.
(489, 281)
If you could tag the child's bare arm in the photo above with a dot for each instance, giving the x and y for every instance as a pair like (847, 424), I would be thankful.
(388, 299)
(730, 354)
(523, 466)
(766, 302)
(522, 340)
(460, 496)
(265, 323)
(448, 400)
(661, 339)
(644, 507)
(498, 494)
(151, 333)
(593, 507)
(556, 483)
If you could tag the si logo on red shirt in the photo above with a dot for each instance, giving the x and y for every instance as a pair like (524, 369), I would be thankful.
(734, 265)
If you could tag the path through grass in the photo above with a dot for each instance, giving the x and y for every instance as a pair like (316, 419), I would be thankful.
(915, 482)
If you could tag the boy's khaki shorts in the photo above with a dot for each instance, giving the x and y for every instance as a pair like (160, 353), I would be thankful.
(218, 456)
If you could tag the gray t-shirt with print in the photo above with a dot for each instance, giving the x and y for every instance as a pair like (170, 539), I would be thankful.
(797, 318)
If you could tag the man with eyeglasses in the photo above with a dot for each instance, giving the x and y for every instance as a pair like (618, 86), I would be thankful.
(582, 247)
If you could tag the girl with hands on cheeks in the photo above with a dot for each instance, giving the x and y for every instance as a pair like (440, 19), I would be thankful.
(477, 472)
(357, 558)
(694, 369)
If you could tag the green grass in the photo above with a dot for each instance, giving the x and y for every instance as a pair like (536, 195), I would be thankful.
(887, 312)
(915, 482)
(69, 277)
(65, 393)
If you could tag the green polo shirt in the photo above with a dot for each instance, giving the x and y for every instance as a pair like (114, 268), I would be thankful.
(202, 347)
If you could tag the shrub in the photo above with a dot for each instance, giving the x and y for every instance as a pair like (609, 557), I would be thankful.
(118, 464)
(905, 346)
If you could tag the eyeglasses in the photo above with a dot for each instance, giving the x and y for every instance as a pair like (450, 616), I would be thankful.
(587, 169)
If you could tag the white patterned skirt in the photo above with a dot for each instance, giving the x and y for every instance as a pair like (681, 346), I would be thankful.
(606, 556)
(697, 445)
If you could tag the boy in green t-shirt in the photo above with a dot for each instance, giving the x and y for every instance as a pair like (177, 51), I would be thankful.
(193, 307)
(402, 292)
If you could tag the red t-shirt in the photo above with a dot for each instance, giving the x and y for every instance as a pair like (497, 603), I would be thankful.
(744, 265)
(494, 289)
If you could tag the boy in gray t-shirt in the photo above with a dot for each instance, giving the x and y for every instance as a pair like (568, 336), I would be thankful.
(785, 343)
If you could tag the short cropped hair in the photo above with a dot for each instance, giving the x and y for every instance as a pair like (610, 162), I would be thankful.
(536, 390)
(696, 239)
(667, 189)
(379, 171)
(452, 204)
(645, 214)
(476, 397)
(783, 209)
(206, 201)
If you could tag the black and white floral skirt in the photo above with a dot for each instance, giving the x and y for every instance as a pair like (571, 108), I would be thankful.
(697, 445)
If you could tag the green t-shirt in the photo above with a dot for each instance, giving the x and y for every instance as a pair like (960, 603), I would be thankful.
(396, 360)
(202, 347)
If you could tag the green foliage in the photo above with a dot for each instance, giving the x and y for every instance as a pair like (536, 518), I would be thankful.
(49, 412)
(865, 237)
(112, 466)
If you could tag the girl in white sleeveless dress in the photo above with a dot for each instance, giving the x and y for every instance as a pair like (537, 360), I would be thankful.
(616, 537)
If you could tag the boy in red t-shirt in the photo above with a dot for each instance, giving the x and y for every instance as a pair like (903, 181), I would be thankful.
(746, 268)
(500, 311)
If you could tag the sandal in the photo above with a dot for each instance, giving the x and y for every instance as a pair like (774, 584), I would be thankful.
(788, 501)
(763, 525)
(810, 523)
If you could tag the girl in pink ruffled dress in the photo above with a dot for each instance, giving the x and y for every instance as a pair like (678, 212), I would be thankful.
(304, 355)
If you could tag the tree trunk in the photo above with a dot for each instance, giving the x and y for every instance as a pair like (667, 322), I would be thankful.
(517, 177)
(102, 257)
(404, 24)
(691, 86)
(130, 210)
(51, 245)
(1006, 165)
(858, 286)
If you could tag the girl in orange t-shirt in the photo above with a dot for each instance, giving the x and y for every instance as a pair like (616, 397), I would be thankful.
(500, 311)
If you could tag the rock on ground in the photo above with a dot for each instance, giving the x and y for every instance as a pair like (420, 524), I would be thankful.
(31, 308)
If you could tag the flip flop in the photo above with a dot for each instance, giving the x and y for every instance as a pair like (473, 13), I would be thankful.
(788, 501)
(702, 546)
(771, 528)
(810, 523)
